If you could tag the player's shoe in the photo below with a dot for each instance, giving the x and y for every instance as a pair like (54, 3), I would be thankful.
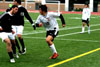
(20, 52)
(12, 60)
(24, 51)
(81, 32)
(16, 55)
(54, 56)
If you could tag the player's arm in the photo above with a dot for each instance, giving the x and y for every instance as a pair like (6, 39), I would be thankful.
(60, 16)
(62, 20)
(29, 18)
(38, 22)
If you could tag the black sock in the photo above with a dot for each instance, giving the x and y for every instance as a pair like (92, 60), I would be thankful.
(13, 47)
(22, 43)
(17, 45)
(10, 55)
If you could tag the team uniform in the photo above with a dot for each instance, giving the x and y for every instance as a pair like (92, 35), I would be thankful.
(50, 23)
(18, 24)
(86, 18)
(86, 15)
(6, 25)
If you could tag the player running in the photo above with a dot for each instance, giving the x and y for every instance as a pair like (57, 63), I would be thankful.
(49, 22)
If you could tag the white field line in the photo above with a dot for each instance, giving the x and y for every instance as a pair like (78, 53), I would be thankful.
(43, 38)
(35, 32)
(75, 33)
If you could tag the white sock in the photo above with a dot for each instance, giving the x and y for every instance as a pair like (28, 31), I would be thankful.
(83, 28)
(53, 48)
(89, 29)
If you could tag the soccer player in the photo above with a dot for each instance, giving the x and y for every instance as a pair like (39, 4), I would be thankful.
(18, 24)
(6, 32)
(86, 17)
(49, 22)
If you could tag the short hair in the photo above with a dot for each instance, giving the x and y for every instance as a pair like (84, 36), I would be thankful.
(14, 6)
(87, 5)
(43, 8)
(18, 1)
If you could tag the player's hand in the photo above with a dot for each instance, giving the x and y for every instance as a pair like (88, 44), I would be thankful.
(34, 27)
(64, 25)
(1, 29)
(13, 32)
(40, 25)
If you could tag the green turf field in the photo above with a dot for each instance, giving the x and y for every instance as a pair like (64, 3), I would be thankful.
(70, 44)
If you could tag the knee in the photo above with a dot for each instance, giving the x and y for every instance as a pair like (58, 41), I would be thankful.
(47, 40)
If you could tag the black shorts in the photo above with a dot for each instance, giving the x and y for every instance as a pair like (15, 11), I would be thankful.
(86, 21)
(52, 33)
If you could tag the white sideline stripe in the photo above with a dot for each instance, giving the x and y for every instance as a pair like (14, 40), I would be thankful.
(75, 33)
(34, 32)
(65, 39)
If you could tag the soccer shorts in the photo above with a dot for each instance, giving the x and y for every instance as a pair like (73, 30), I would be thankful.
(4, 35)
(52, 33)
(86, 21)
(18, 29)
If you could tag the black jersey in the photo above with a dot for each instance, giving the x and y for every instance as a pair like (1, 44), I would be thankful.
(6, 22)
(19, 16)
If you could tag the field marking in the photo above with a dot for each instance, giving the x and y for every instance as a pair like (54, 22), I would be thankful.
(95, 41)
(35, 32)
(75, 33)
(73, 58)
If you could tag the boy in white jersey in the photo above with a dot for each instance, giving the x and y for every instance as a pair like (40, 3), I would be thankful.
(49, 22)
(86, 17)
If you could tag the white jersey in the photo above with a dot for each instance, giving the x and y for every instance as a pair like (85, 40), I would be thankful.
(86, 14)
(49, 21)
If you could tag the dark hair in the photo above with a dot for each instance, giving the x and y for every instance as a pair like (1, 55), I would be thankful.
(87, 5)
(13, 6)
(18, 1)
(43, 8)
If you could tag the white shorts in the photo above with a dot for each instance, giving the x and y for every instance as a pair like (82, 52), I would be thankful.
(4, 35)
(18, 29)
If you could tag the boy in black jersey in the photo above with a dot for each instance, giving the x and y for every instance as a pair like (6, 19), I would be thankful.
(18, 24)
(6, 32)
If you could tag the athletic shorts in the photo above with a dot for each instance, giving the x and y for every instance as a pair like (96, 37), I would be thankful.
(4, 35)
(52, 33)
(86, 21)
(18, 30)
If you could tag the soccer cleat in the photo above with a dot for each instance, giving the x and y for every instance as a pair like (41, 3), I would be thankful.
(81, 32)
(12, 60)
(54, 56)
(24, 51)
(16, 55)
(20, 52)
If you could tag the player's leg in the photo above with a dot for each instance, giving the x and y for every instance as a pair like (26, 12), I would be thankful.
(4, 37)
(19, 35)
(49, 40)
(22, 43)
(17, 44)
(83, 27)
(9, 50)
(12, 39)
(88, 25)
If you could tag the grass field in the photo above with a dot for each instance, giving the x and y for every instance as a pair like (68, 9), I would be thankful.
(70, 44)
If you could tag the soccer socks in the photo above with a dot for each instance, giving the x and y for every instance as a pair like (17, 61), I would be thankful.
(10, 55)
(88, 29)
(83, 28)
(53, 48)
(22, 43)
(17, 45)
(13, 47)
